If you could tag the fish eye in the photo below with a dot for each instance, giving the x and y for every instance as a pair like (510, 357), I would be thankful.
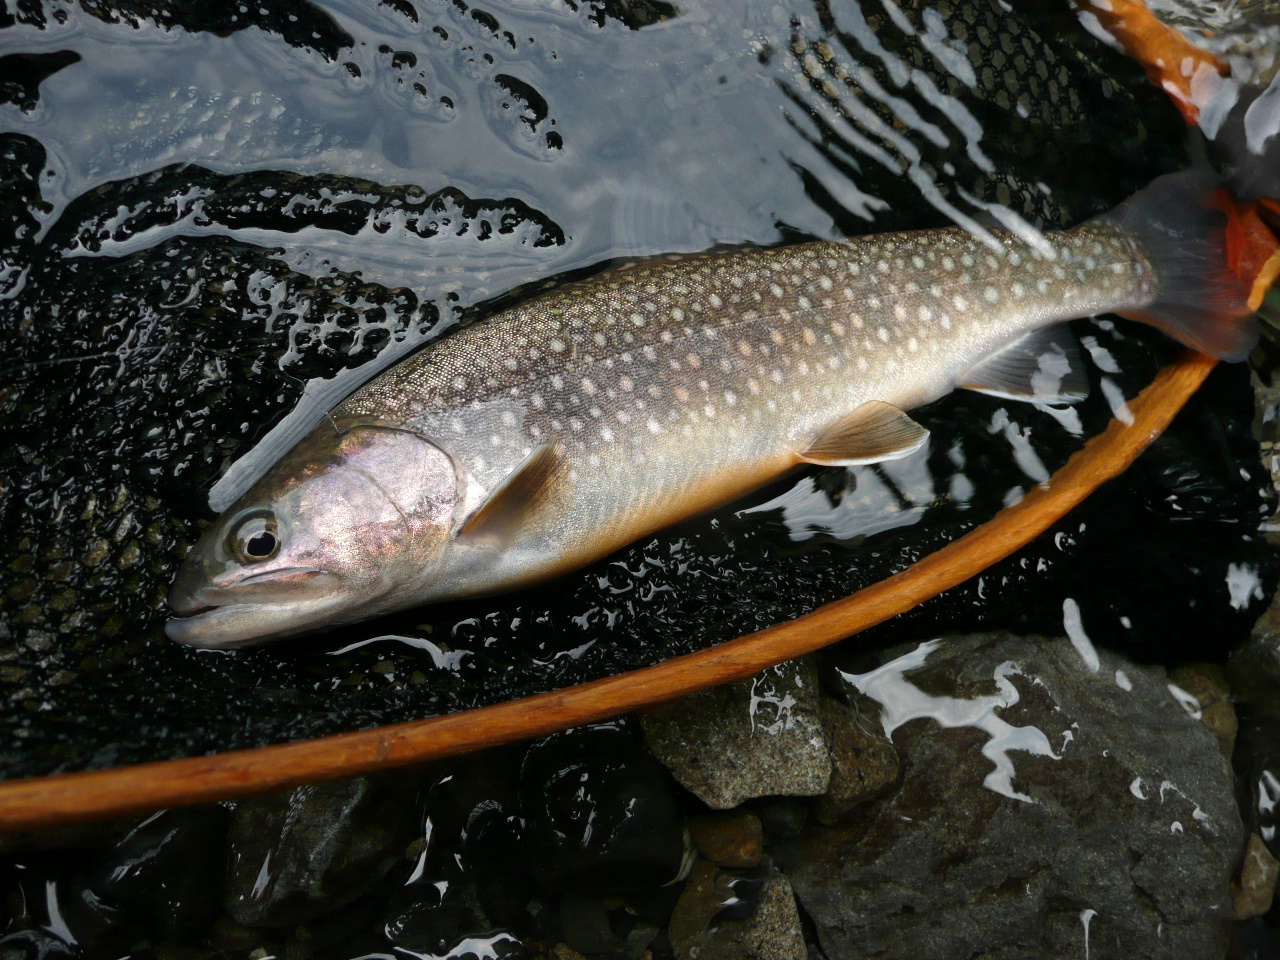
(254, 538)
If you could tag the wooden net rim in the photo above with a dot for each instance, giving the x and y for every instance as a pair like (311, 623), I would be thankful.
(39, 802)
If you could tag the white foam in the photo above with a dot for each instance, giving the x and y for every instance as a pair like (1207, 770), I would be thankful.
(1079, 639)
(1243, 585)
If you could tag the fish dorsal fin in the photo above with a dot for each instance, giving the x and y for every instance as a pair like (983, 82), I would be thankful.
(517, 498)
(875, 431)
(1044, 366)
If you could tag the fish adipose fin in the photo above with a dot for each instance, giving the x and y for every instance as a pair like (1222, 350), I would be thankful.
(1045, 366)
(874, 432)
(1193, 242)
(517, 498)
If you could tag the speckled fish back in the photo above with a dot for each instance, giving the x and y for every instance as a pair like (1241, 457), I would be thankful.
(670, 380)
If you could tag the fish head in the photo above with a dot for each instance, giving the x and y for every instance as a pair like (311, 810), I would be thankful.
(346, 525)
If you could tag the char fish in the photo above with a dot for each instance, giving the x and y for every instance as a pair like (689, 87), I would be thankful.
(551, 435)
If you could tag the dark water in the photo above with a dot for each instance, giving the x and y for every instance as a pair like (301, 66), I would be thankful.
(206, 207)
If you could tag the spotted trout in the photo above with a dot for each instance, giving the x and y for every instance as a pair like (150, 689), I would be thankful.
(556, 432)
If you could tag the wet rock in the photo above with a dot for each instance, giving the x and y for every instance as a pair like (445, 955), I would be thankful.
(296, 856)
(1207, 682)
(639, 938)
(1256, 886)
(759, 738)
(226, 934)
(700, 931)
(584, 923)
(1254, 669)
(473, 805)
(783, 818)
(164, 876)
(432, 924)
(1038, 803)
(600, 814)
(1257, 766)
(36, 945)
(863, 761)
(733, 839)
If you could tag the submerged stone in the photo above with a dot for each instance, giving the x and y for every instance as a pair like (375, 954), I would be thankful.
(706, 924)
(1043, 804)
(733, 839)
(1207, 683)
(863, 761)
(600, 814)
(1256, 885)
(759, 738)
(298, 855)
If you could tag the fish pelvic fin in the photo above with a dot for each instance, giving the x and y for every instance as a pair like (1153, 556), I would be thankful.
(874, 432)
(1193, 238)
(1045, 366)
(519, 497)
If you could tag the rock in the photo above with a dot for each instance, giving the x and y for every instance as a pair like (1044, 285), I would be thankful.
(863, 761)
(584, 924)
(783, 818)
(699, 932)
(1038, 804)
(1257, 765)
(1256, 885)
(431, 925)
(600, 814)
(299, 855)
(1207, 682)
(36, 945)
(1254, 669)
(231, 937)
(164, 875)
(759, 738)
(733, 839)
(639, 937)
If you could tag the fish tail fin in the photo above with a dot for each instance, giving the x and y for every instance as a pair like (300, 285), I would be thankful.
(1192, 235)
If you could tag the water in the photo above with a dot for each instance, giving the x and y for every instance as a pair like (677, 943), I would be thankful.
(208, 212)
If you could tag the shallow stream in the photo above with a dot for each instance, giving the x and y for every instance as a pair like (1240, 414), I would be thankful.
(217, 218)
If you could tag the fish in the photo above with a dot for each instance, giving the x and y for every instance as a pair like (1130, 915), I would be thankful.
(522, 447)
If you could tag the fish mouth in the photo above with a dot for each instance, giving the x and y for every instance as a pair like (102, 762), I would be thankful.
(233, 625)
(225, 617)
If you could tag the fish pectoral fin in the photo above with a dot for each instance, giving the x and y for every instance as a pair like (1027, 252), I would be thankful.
(1045, 366)
(517, 498)
(874, 432)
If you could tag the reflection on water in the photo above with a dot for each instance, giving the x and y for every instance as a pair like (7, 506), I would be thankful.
(901, 702)
(213, 217)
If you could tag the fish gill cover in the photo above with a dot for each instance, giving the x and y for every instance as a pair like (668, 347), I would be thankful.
(207, 207)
